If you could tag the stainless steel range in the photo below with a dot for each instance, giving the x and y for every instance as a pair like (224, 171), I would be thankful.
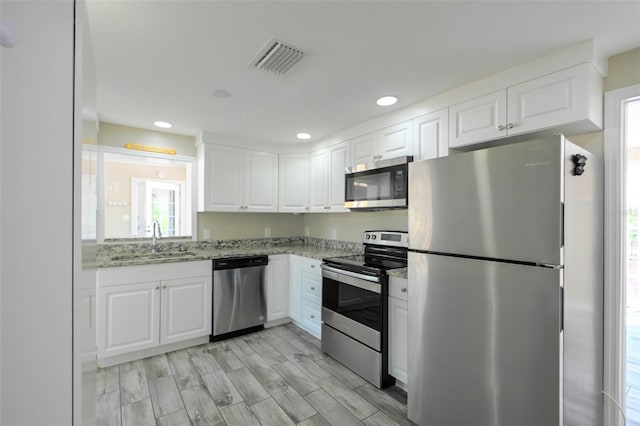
(354, 305)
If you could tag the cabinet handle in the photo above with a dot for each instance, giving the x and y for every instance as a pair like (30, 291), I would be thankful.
(313, 266)
(158, 288)
(510, 126)
(313, 289)
(403, 290)
(313, 316)
(164, 286)
(501, 127)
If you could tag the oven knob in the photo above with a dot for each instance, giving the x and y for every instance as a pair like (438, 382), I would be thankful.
(373, 237)
(368, 236)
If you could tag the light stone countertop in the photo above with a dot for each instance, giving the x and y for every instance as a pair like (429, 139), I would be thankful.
(400, 272)
(118, 255)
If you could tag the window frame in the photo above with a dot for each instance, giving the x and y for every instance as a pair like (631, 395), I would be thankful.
(190, 188)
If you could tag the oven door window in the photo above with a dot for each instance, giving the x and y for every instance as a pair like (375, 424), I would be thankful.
(360, 305)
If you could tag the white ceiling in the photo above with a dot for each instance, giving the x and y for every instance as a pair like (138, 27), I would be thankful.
(162, 60)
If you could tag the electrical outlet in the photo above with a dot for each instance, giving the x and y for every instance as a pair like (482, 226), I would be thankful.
(334, 234)
(206, 234)
(307, 231)
(267, 232)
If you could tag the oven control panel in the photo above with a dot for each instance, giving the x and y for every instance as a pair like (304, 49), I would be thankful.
(387, 238)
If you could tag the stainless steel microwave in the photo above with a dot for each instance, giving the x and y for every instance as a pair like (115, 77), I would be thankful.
(378, 186)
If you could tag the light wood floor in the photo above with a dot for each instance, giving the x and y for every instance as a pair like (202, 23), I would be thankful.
(277, 376)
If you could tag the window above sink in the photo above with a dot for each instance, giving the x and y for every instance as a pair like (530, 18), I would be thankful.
(137, 188)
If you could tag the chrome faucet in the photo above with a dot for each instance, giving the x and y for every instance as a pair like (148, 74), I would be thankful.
(157, 233)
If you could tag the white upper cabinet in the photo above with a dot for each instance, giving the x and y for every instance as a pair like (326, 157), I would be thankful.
(549, 101)
(565, 101)
(339, 159)
(294, 183)
(223, 178)
(237, 180)
(478, 120)
(431, 135)
(260, 181)
(318, 183)
(396, 141)
(326, 179)
(364, 149)
(393, 141)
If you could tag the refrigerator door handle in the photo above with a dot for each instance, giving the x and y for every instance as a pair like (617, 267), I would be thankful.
(561, 309)
(562, 224)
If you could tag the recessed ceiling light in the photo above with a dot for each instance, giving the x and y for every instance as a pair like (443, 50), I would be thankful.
(303, 136)
(221, 93)
(162, 124)
(387, 100)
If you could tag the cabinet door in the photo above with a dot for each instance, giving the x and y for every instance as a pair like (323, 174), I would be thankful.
(85, 325)
(431, 136)
(295, 287)
(364, 149)
(398, 315)
(185, 309)
(558, 98)
(396, 141)
(478, 120)
(339, 159)
(311, 318)
(312, 287)
(318, 181)
(128, 318)
(278, 287)
(260, 182)
(224, 172)
(294, 183)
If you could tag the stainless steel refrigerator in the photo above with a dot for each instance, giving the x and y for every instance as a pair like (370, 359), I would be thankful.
(506, 287)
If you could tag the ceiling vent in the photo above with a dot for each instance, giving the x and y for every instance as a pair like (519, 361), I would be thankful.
(277, 56)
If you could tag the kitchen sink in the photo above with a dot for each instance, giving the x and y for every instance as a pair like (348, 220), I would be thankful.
(156, 255)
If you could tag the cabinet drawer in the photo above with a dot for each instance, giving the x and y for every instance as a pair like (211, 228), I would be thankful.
(312, 288)
(398, 288)
(311, 319)
(311, 265)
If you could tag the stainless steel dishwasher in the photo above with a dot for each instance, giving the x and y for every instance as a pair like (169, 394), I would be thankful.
(239, 295)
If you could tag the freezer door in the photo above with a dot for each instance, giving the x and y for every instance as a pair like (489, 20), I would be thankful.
(484, 342)
(503, 202)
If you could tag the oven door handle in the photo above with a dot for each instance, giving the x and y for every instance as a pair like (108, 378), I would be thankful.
(364, 282)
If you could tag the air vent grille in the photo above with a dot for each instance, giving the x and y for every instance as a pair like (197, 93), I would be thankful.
(277, 57)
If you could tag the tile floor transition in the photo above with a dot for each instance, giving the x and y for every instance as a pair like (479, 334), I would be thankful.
(277, 376)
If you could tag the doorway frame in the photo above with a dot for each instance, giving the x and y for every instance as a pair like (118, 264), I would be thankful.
(615, 253)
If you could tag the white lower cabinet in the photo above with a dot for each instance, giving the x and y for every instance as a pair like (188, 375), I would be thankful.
(305, 279)
(398, 323)
(295, 288)
(128, 318)
(185, 309)
(278, 287)
(142, 307)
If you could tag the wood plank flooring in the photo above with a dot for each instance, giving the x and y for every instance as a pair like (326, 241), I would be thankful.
(276, 377)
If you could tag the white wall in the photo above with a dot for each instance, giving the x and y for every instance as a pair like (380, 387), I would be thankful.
(36, 178)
